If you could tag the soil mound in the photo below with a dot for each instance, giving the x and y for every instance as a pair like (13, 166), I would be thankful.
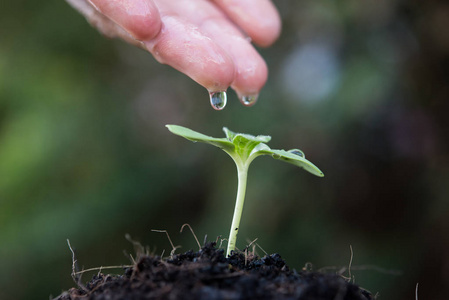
(209, 275)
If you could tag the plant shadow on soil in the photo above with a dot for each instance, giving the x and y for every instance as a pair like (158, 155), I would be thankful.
(208, 274)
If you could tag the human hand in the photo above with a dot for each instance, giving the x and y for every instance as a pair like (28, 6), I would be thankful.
(208, 40)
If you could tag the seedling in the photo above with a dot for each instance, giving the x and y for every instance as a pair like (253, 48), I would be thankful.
(244, 148)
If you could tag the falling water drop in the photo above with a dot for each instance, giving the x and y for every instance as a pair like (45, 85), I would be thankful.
(248, 100)
(297, 152)
(218, 100)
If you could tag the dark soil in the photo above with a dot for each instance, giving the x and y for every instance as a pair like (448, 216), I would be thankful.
(207, 274)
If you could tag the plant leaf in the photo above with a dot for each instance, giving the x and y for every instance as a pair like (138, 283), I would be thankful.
(231, 135)
(293, 158)
(242, 146)
(195, 136)
(245, 143)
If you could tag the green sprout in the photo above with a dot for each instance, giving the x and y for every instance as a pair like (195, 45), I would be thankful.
(244, 148)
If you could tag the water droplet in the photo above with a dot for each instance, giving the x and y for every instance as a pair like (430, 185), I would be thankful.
(218, 100)
(248, 100)
(297, 152)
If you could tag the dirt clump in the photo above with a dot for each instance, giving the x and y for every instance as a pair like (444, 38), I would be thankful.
(208, 274)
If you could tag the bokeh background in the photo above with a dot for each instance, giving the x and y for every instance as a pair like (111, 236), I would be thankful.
(362, 87)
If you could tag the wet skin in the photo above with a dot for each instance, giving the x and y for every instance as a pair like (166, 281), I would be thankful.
(208, 40)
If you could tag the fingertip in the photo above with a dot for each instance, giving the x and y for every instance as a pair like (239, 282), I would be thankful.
(251, 78)
(267, 31)
(140, 18)
(258, 18)
(145, 27)
(215, 78)
(199, 57)
(251, 71)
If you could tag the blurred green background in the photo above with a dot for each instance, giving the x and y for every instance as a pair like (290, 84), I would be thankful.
(362, 87)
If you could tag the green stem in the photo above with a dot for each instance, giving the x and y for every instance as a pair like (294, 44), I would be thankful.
(242, 177)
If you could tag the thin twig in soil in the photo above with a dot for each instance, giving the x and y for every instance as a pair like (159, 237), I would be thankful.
(341, 270)
(169, 239)
(138, 248)
(350, 262)
(308, 267)
(221, 241)
(246, 250)
(251, 243)
(162, 255)
(261, 248)
(246, 256)
(75, 277)
(103, 268)
(130, 257)
(193, 233)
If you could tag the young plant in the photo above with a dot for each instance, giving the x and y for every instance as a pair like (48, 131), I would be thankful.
(244, 148)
